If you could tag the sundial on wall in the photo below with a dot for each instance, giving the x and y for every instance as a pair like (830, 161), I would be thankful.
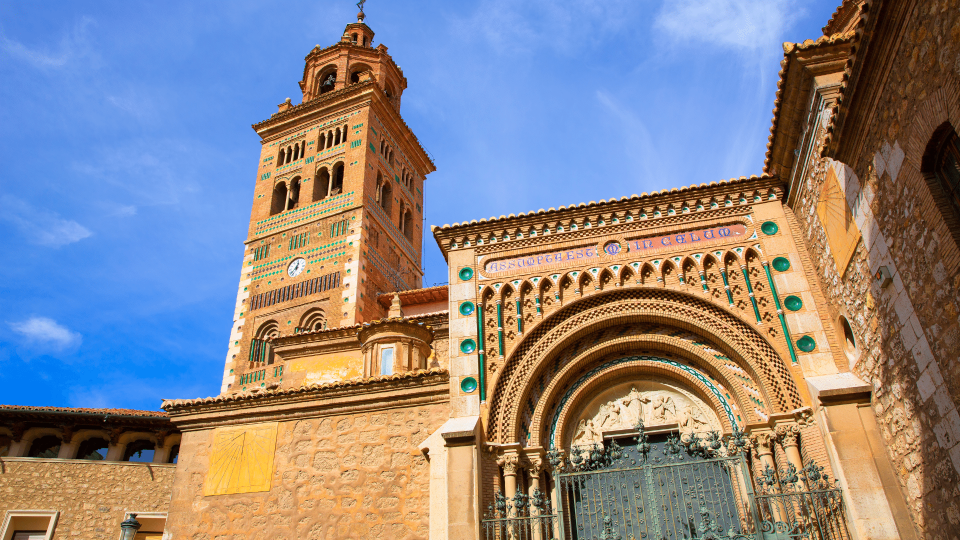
(241, 460)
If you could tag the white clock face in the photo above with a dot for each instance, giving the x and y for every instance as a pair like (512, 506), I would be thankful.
(296, 266)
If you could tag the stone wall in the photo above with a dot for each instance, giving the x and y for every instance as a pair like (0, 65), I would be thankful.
(907, 334)
(340, 476)
(92, 497)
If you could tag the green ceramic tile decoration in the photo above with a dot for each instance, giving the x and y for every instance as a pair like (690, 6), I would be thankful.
(793, 303)
(806, 344)
(467, 308)
(781, 264)
(466, 273)
(769, 228)
(468, 346)
(468, 385)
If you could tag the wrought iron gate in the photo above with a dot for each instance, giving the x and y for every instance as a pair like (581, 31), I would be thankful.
(678, 488)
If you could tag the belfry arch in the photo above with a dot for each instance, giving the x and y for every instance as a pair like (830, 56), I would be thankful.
(703, 341)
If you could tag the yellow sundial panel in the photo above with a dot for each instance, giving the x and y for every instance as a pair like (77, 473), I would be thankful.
(842, 232)
(241, 460)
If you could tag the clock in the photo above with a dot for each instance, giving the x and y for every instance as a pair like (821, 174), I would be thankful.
(296, 266)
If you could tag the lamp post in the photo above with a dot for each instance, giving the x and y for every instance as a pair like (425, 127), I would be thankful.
(129, 528)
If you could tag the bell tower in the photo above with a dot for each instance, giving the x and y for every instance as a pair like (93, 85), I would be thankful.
(337, 206)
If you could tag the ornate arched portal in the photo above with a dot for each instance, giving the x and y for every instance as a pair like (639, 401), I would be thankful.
(636, 335)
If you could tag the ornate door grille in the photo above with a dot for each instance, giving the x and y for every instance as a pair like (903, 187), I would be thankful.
(690, 487)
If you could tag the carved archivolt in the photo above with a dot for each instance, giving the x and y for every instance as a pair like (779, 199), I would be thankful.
(535, 364)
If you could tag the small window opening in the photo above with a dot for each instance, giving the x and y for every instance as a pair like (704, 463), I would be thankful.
(279, 199)
(294, 198)
(296, 152)
(174, 454)
(328, 82)
(849, 343)
(353, 38)
(139, 451)
(321, 185)
(94, 449)
(47, 446)
(386, 361)
(337, 186)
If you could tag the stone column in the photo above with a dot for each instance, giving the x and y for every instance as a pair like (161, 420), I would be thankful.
(763, 443)
(789, 438)
(534, 467)
(460, 437)
(68, 449)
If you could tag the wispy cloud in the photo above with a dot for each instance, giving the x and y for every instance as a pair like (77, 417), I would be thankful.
(72, 46)
(638, 144)
(45, 332)
(736, 24)
(144, 170)
(43, 227)
(565, 25)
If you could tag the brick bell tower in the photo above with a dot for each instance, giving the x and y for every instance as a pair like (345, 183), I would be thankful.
(337, 206)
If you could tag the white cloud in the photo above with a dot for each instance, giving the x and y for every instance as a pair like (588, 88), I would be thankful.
(47, 332)
(737, 24)
(72, 46)
(43, 227)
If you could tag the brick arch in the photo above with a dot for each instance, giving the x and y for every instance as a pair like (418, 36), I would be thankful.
(631, 367)
(667, 347)
(941, 108)
(737, 339)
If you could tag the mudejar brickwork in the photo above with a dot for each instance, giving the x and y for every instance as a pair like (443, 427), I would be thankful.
(772, 356)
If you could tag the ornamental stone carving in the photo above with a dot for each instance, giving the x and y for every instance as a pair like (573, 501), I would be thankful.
(655, 404)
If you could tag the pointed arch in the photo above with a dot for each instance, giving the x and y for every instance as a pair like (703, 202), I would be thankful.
(336, 184)
(549, 296)
(648, 275)
(605, 280)
(669, 274)
(586, 283)
(566, 288)
(627, 276)
(691, 273)
(711, 272)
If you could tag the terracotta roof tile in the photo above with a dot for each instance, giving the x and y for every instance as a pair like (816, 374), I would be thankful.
(72, 410)
(173, 404)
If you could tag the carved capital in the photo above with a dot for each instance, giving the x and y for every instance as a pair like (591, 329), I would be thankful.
(804, 416)
(763, 442)
(66, 433)
(788, 435)
(115, 435)
(17, 428)
(510, 463)
(534, 466)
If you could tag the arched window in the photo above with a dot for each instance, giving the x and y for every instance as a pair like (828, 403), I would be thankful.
(47, 446)
(355, 77)
(408, 225)
(269, 329)
(941, 168)
(353, 38)
(400, 221)
(328, 81)
(94, 449)
(321, 184)
(337, 184)
(336, 137)
(174, 454)
(379, 191)
(321, 140)
(140, 451)
(280, 155)
(364, 41)
(344, 133)
(289, 154)
(279, 201)
(386, 197)
(313, 320)
(294, 198)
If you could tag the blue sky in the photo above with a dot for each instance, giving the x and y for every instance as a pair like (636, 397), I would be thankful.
(129, 162)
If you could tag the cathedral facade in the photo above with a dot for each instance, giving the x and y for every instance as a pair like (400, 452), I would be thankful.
(770, 356)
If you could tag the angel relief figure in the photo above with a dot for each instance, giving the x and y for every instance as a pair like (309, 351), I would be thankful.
(632, 408)
(664, 410)
(692, 420)
(585, 433)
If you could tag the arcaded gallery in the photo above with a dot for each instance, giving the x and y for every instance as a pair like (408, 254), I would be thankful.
(764, 357)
